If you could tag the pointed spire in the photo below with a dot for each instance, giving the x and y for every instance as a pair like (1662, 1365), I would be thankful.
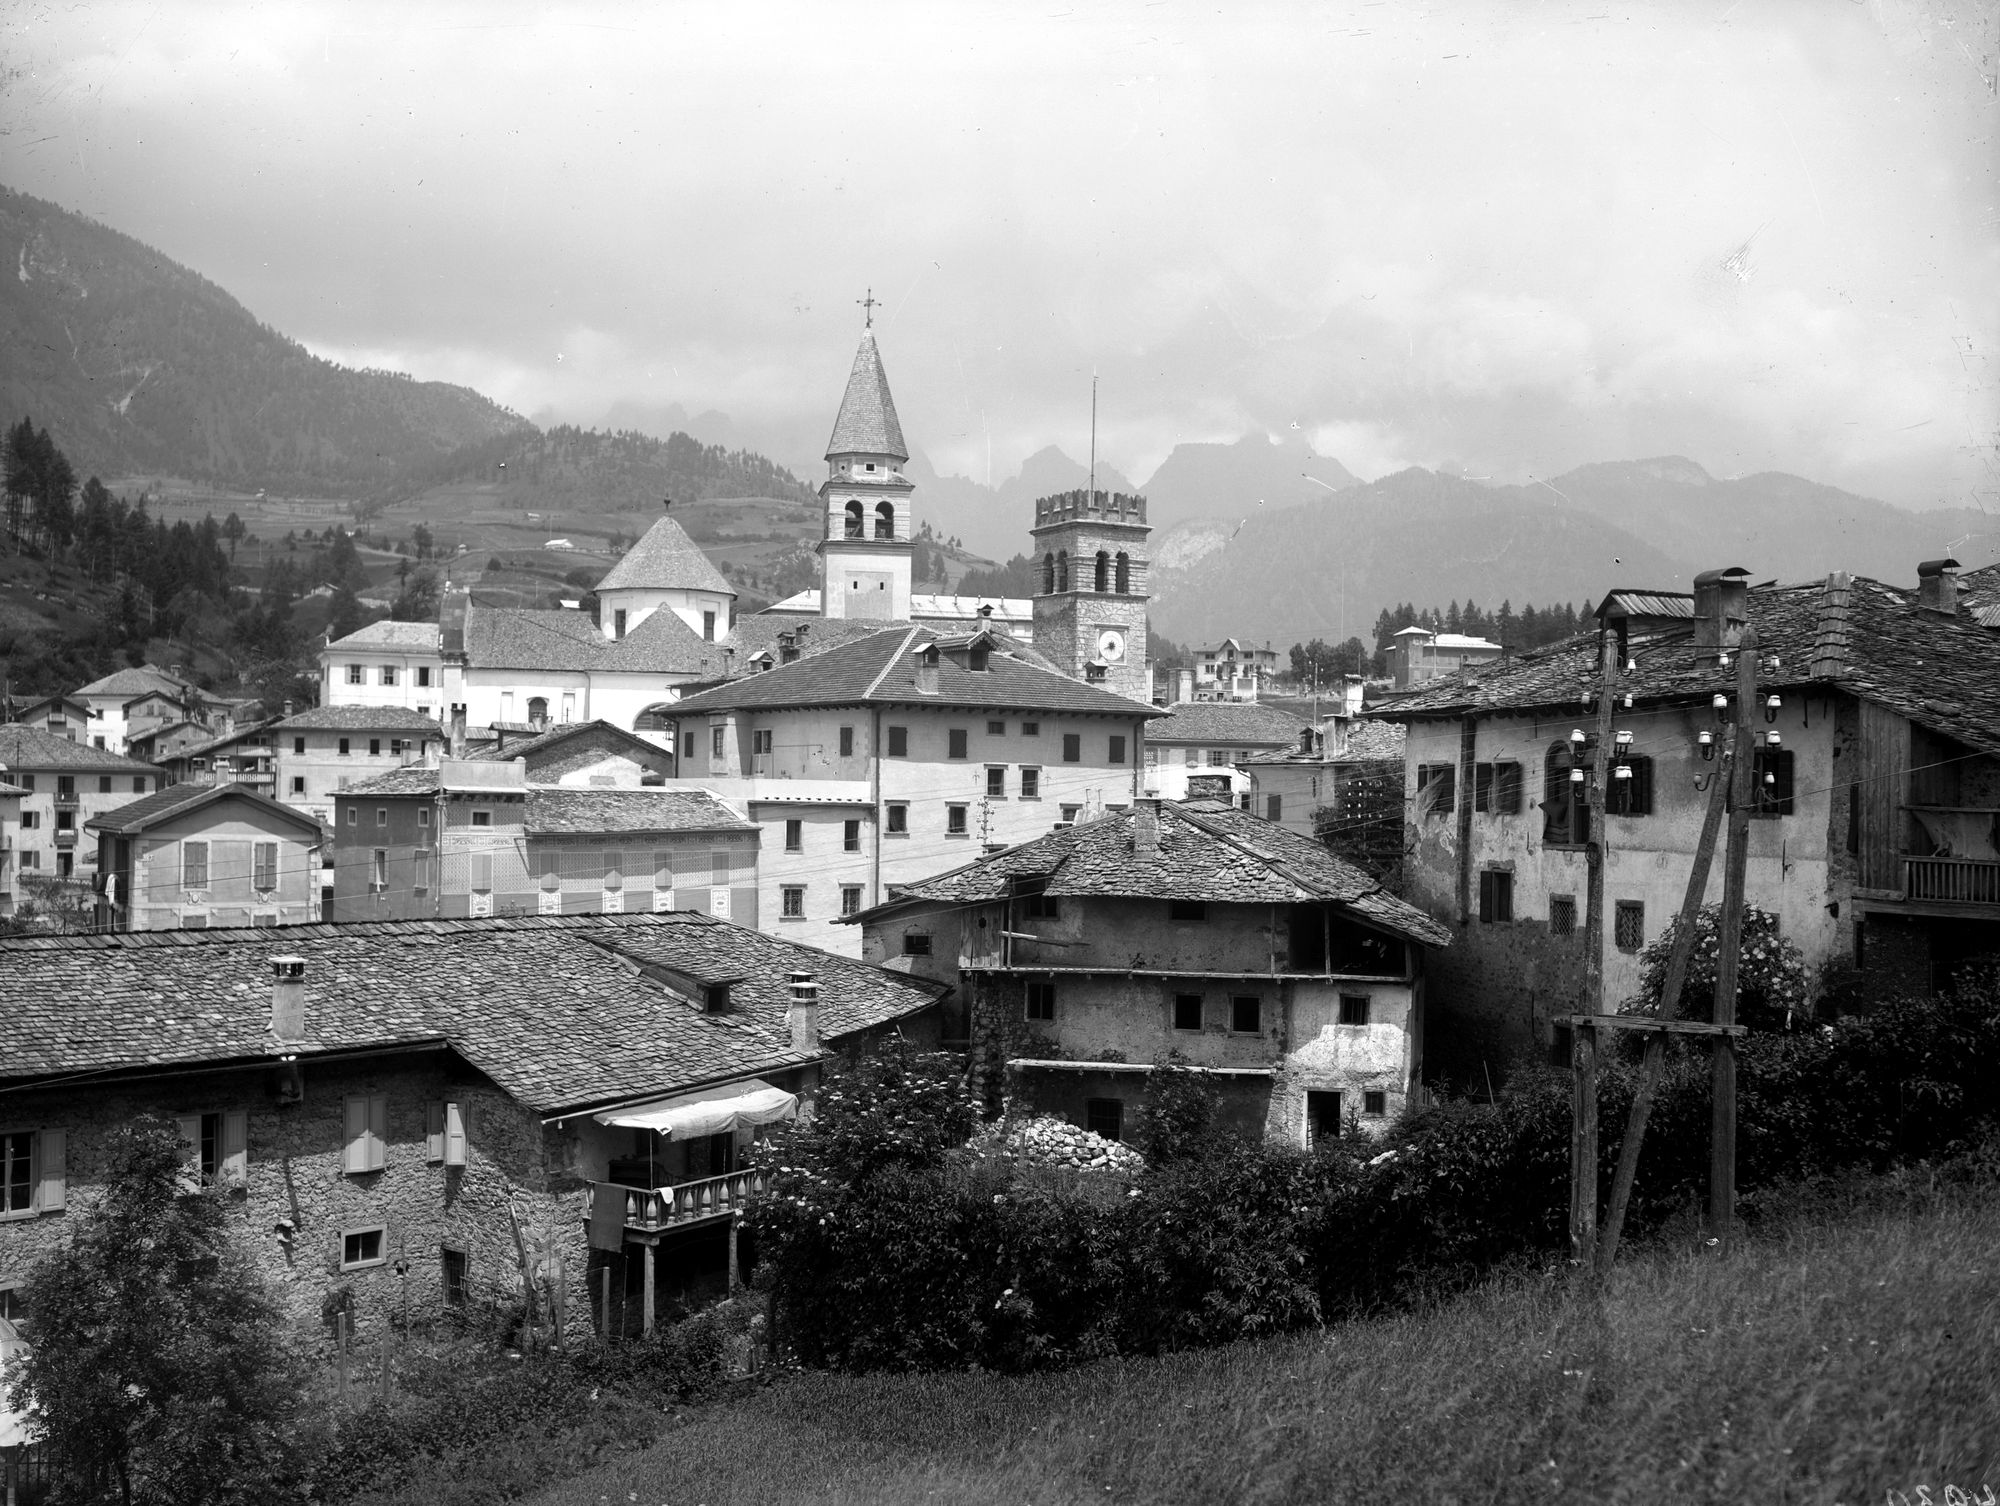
(867, 423)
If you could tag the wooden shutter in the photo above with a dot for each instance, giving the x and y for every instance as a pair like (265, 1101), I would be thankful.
(235, 1166)
(354, 1158)
(1507, 788)
(434, 1132)
(188, 1126)
(52, 1150)
(378, 1132)
(454, 1135)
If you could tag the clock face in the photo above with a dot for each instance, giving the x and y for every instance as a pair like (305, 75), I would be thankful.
(1111, 645)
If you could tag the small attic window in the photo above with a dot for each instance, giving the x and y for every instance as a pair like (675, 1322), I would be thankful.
(715, 998)
(975, 659)
(871, 465)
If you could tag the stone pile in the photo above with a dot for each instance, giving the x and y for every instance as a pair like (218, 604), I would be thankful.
(1056, 1143)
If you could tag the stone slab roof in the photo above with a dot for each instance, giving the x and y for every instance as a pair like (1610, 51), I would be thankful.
(1240, 724)
(560, 1011)
(521, 638)
(182, 799)
(127, 683)
(387, 634)
(1847, 633)
(573, 810)
(35, 748)
(413, 779)
(359, 719)
(867, 423)
(666, 559)
(881, 669)
(1207, 851)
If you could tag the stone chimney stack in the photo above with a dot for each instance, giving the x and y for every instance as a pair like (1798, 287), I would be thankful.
(1146, 827)
(456, 739)
(927, 669)
(1721, 607)
(1937, 587)
(803, 1014)
(288, 998)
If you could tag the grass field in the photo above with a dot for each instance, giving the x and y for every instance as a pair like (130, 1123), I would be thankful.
(1838, 1357)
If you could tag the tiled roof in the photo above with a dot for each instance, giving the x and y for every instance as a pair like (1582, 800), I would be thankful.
(360, 719)
(555, 1009)
(11, 791)
(387, 634)
(412, 779)
(666, 559)
(135, 682)
(535, 744)
(566, 810)
(34, 748)
(1374, 739)
(1853, 634)
(882, 670)
(867, 422)
(1225, 723)
(181, 799)
(517, 638)
(215, 745)
(1207, 850)
(759, 632)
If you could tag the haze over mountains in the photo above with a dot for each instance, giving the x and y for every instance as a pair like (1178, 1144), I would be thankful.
(137, 365)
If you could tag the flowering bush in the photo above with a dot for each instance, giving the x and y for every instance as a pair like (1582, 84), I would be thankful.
(1771, 983)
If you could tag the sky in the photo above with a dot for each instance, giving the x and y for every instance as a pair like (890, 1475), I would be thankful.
(1508, 239)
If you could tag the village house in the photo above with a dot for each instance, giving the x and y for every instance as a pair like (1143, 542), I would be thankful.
(411, 1117)
(1084, 959)
(135, 700)
(1232, 671)
(1207, 741)
(247, 755)
(1877, 790)
(386, 664)
(1316, 785)
(189, 857)
(11, 796)
(63, 715)
(66, 783)
(1417, 655)
(322, 750)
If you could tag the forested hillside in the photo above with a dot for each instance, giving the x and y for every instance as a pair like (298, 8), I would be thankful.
(137, 365)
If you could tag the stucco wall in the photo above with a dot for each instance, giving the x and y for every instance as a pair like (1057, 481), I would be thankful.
(231, 830)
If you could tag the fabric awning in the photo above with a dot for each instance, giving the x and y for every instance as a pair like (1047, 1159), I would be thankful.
(709, 1112)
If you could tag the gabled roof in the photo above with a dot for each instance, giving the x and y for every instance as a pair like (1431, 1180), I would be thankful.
(359, 719)
(178, 800)
(867, 423)
(29, 708)
(537, 747)
(1207, 850)
(1233, 723)
(126, 683)
(579, 810)
(216, 745)
(34, 748)
(810, 636)
(666, 559)
(518, 638)
(1848, 633)
(881, 670)
(387, 634)
(560, 1011)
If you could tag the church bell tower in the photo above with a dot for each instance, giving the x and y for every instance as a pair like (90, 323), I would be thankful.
(1090, 613)
(866, 546)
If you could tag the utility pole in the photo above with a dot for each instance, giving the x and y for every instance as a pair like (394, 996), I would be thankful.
(1583, 1028)
(1722, 1063)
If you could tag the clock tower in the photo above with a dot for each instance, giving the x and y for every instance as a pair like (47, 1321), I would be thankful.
(1090, 613)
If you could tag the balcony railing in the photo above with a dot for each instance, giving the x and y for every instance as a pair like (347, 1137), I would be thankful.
(650, 1209)
(1962, 881)
(68, 800)
(66, 838)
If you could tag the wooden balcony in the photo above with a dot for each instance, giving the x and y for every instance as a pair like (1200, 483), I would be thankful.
(1956, 881)
(649, 1211)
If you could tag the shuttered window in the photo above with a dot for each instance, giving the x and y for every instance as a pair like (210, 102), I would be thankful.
(444, 1134)
(367, 1134)
(194, 865)
(266, 865)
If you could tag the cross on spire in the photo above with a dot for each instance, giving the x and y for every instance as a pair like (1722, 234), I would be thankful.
(869, 304)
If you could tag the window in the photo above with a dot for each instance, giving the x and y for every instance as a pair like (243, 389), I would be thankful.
(361, 1247)
(916, 943)
(1070, 813)
(708, 627)
(1031, 784)
(761, 741)
(454, 1264)
(718, 866)
(1041, 1002)
(1031, 729)
(1104, 1116)
(378, 868)
(264, 863)
(899, 819)
(1496, 896)
(1436, 788)
(850, 899)
(30, 820)
(388, 674)
(1632, 795)
(1354, 1009)
(795, 835)
(1117, 748)
(899, 742)
(424, 676)
(1072, 747)
(846, 742)
(1322, 1116)
(1374, 1102)
(996, 729)
(1187, 1011)
(955, 743)
(1217, 758)
(792, 904)
(618, 623)
(298, 745)
(25, 781)
(1562, 914)
(688, 750)
(1496, 787)
(482, 818)
(1629, 925)
(194, 865)
(1187, 909)
(214, 1147)
(299, 786)
(381, 815)
(1771, 782)
(1274, 807)
(353, 812)
(103, 784)
(374, 747)
(31, 1172)
(139, 784)
(423, 815)
(715, 742)
(1246, 1014)
(850, 836)
(1039, 904)
(344, 749)
(996, 781)
(1565, 812)
(366, 1118)
(356, 675)
(954, 820)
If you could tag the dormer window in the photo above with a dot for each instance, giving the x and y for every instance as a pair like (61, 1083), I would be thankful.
(975, 659)
(716, 997)
(871, 465)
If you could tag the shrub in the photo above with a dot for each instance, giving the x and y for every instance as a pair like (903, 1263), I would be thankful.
(1771, 986)
(1180, 1111)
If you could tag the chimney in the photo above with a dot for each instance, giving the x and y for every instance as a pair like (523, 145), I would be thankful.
(1937, 587)
(456, 738)
(804, 1012)
(287, 709)
(288, 998)
(1305, 739)
(927, 669)
(1721, 607)
(1146, 827)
